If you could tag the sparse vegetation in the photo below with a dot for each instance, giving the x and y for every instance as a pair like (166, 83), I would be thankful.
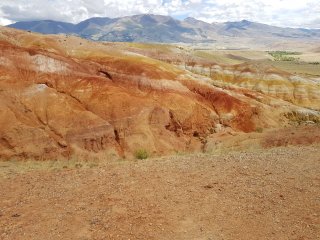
(284, 55)
(141, 154)
(259, 130)
(16, 166)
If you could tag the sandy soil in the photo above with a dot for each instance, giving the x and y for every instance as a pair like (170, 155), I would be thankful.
(271, 194)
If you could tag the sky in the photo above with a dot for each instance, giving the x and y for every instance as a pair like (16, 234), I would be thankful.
(285, 13)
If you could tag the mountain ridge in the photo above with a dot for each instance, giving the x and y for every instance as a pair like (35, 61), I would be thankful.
(166, 29)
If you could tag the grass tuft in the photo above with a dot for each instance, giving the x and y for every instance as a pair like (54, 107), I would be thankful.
(141, 154)
(259, 130)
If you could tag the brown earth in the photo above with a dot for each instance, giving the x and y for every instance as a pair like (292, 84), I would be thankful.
(263, 139)
(268, 194)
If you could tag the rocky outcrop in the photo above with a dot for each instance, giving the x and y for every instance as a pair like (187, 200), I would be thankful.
(304, 115)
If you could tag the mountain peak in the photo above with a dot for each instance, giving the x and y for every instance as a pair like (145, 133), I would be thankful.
(245, 21)
(193, 20)
(240, 25)
(190, 19)
(242, 22)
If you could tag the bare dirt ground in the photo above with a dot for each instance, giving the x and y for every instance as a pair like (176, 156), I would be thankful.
(267, 194)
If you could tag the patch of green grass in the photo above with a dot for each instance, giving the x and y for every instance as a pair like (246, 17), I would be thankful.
(141, 154)
(284, 52)
(284, 55)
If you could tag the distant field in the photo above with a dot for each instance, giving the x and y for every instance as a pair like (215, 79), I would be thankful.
(310, 57)
(218, 57)
(284, 55)
(297, 67)
(304, 63)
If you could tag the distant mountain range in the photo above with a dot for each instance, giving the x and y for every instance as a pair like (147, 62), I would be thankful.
(165, 29)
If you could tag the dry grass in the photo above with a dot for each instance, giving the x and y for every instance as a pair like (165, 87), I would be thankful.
(14, 167)
(297, 67)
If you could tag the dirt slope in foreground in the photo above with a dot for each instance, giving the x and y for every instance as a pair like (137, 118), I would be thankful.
(272, 194)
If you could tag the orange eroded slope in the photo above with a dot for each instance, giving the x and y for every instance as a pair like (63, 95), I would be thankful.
(64, 96)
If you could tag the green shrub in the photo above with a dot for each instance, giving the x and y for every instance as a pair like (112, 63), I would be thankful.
(141, 154)
(259, 130)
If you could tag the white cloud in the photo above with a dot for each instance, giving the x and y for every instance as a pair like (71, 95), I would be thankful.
(294, 13)
(4, 21)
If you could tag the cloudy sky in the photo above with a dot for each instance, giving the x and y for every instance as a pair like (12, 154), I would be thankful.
(293, 13)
